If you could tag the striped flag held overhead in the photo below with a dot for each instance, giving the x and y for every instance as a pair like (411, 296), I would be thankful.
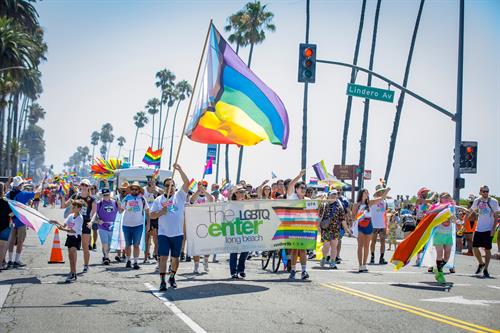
(153, 157)
(320, 170)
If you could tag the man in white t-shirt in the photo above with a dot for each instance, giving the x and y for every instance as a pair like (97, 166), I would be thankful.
(486, 209)
(379, 221)
(169, 210)
(136, 211)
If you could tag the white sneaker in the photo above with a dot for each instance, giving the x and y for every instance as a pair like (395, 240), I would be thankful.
(205, 265)
(196, 270)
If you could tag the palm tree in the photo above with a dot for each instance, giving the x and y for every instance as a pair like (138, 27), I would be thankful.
(362, 152)
(170, 96)
(140, 120)
(165, 78)
(183, 91)
(94, 141)
(21, 11)
(103, 150)
(255, 20)
(121, 141)
(399, 107)
(152, 107)
(107, 136)
(353, 79)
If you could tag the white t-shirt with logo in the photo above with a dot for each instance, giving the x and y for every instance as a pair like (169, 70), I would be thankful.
(149, 196)
(134, 211)
(171, 224)
(74, 223)
(378, 214)
(486, 215)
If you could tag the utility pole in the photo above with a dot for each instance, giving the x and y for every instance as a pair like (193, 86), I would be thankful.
(458, 113)
(304, 113)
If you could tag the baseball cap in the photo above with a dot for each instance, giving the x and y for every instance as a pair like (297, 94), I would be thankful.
(105, 191)
(85, 182)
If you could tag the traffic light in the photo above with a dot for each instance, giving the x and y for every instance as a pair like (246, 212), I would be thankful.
(307, 63)
(468, 157)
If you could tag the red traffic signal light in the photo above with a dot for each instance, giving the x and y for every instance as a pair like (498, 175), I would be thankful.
(469, 150)
(308, 52)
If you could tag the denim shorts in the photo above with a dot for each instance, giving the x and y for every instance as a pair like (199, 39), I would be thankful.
(5, 233)
(132, 235)
(170, 246)
(105, 236)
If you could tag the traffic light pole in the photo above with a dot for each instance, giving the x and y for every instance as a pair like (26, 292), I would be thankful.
(458, 114)
(304, 114)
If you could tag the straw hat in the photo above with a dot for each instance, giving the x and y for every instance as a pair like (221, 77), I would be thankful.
(379, 189)
(134, 184)
(124, 185)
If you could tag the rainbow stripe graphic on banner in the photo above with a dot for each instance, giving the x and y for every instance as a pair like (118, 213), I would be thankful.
(234, 106)
(153, 157)
(298, 228)
(32, 219)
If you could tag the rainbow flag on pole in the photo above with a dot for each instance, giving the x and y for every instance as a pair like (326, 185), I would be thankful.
(320, 170)
(234, 106)
(153, 157)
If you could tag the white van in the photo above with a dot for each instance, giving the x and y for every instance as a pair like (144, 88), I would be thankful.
(136, 174)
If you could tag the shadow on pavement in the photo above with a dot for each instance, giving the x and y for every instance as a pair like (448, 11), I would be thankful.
(282, 280)
(430, 286)
(30, 280)
(91, 302)
(211, 290)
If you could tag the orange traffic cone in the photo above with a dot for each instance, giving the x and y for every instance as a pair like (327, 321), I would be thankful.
(56, 256)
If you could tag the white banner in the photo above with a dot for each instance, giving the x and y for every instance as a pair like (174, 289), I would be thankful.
(240, 226)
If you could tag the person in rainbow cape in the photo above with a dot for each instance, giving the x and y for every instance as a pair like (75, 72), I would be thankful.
(436, 229)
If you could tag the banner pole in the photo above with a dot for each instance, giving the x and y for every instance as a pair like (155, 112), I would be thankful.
(191, 98)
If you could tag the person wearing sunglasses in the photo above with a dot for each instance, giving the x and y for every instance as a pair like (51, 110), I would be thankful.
(486, 208)
(201, 196)
(169, 210)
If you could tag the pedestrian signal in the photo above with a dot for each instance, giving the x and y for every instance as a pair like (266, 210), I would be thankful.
(307, 63)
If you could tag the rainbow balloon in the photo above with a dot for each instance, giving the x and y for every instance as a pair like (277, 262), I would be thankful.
(234, 106)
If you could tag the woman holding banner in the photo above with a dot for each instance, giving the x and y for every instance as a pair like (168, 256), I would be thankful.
(238, 193)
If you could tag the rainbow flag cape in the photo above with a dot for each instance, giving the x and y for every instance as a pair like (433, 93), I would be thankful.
(153, 157)
(298, 228)
(32, 219)
(320, 170)
(234, 106)
(420, 236)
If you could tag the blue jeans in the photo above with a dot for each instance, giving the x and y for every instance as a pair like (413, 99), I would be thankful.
(233, 258)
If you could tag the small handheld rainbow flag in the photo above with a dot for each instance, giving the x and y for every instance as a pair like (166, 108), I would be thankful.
(192, 185)
(153, 157)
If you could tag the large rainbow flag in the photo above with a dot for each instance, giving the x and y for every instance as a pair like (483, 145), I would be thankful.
(32, 219)
(421, 235)
(298, 228)
(153, 157)
(234, 106)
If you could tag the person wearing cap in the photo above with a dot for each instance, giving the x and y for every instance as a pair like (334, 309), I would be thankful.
(18, 233)
(104, 218)
(487, 211)
(201, 196)
(87, 211)
(379, 221)
(136, 211)
(169, 210)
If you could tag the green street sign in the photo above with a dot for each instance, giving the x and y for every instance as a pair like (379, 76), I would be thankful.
(370, 92)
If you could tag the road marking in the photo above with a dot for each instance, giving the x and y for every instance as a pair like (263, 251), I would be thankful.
(412, 309)
(420, 284)
(461, 300)
(4, 291)
(175, 310)
(494, 287)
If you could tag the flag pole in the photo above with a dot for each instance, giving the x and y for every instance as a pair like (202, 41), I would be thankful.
(191, 98)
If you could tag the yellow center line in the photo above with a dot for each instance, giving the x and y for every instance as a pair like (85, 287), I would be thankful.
(412, 309)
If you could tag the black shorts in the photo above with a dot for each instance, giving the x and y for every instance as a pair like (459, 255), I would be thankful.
(408, 227)
(86, 230)
(482, 239)
(74, 241)
(153, 224)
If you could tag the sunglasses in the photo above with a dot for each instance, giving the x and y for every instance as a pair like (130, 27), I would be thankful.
(302, 187)
(485, 191)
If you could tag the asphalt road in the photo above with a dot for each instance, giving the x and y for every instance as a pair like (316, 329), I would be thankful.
(115, 299)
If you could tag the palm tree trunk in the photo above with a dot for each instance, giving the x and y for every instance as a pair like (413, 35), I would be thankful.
(2, 125)
(93, 151)
(399, 107)
(8, 141)
(119, 152)
(172, 138)
(109, 148)
(353, 79)
(15, 142)
(362, 152)
(164, 126)
(21, 115)
(153, 132)
(135, 141)
(159, 123)
(240, 157)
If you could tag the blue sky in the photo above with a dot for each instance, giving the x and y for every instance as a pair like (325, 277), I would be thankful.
(103, 56)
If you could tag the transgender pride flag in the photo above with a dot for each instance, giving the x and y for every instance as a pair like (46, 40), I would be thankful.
(32, 218)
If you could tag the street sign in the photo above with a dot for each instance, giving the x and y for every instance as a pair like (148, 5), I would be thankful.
(344, 171)
(370, 92)
(211, 152)
(367, 175)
